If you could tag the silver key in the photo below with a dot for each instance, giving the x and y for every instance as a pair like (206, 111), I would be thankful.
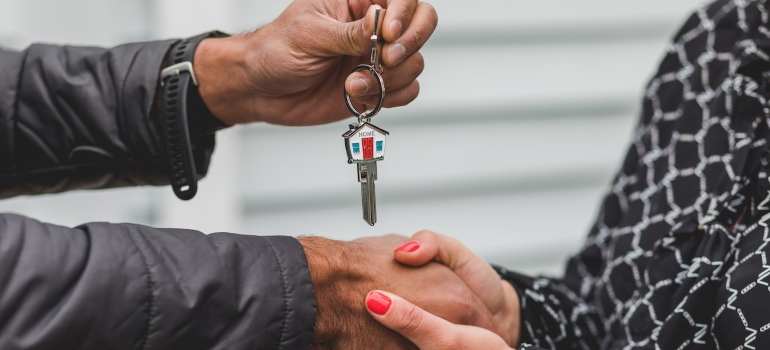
(367, 174)
(364, 142)
(365, 145)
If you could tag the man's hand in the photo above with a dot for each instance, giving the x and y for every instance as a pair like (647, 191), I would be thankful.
(344, 272)
(498, 295)
(427, 331)
(292, 70)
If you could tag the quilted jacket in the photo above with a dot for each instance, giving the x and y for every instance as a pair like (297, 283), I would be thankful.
(78, 117)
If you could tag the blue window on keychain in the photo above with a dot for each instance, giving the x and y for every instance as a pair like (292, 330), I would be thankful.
(356, 147)
(379, 146)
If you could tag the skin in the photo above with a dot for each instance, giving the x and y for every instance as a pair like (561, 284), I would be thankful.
(344, 272)
(431, 332)
(292, 70)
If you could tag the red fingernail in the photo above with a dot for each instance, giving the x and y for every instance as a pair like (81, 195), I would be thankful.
(378, 303)
(408, 247)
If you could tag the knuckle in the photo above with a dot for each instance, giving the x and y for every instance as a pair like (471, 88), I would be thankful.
(403, 7)
(469, 312)
(410, 320)
(426, 233)
(452, 340)
(419, 63)
(414, 91)
(394, 235)
(412, 96)
(350, 37)
(416, 40)
(432, 14)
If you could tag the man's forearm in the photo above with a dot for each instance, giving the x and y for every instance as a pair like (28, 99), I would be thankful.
(106, 286)
(81, 117)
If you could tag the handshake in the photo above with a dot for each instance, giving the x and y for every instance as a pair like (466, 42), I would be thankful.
(390, 292)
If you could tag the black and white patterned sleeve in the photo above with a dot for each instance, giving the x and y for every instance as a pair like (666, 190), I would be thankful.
(553, 315)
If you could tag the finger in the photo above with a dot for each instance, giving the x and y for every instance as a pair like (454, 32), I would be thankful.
(426, 330)
(414, 37)
(474, 271)
(349, 38)
(397, 18)
(362, 83)
(419, 326)
(403, 96)
(397, 98)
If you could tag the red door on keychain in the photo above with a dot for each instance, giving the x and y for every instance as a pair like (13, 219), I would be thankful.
(368, 145)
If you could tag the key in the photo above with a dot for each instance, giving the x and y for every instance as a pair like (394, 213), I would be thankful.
(365, 145)
(367, 174)
(365, 142)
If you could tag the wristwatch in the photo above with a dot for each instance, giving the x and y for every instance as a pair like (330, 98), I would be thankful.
(183, 114)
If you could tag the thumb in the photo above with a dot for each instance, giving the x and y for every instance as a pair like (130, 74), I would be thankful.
(427, 331)
(428, 246)
(354, 38)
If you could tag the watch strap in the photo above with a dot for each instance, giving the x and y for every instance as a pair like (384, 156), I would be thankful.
(183, 115)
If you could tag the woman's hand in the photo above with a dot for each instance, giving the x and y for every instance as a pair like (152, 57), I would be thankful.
(292, 70)
(343, 272)
(498, 295)
(425, 330)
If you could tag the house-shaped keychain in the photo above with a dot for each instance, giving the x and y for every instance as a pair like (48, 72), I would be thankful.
(365, 143)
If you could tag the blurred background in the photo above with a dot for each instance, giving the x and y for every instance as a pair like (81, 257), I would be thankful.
(525, 113)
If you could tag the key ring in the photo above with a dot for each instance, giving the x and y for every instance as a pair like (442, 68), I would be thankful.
(375, 69)
(365, 116)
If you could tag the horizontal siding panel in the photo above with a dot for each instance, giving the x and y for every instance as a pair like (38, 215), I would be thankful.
(10, 18)
(519, 15)
(312, 161)
(530, 231)
(559, 13)
(544, 74)
(437, 189)
(136, 205)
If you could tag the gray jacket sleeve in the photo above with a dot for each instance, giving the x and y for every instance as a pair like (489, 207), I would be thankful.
(83, 117)
(73, 118)
(122, 286)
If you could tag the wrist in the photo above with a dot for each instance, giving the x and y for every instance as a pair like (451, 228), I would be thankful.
(223, 79)
(512, 313)
(335, 283)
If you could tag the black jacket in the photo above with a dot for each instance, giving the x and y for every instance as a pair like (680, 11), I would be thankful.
(74, 118)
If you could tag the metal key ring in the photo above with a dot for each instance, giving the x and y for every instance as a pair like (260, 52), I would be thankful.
(366, 115)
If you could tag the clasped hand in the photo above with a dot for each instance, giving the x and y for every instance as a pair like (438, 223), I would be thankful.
(455, 299)
(429, 332)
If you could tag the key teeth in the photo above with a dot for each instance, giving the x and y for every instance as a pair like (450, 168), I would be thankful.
(369, 197)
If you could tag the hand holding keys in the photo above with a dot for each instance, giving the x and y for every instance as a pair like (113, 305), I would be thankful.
(365, 142)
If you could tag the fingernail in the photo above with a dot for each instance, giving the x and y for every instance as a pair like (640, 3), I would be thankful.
(359, 86)
(408, 247)
(397, 53)
(395, 29)
(378, 303)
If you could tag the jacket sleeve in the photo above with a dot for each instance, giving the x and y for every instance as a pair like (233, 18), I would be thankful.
(83, 117)
(122, 286)
(560, 313)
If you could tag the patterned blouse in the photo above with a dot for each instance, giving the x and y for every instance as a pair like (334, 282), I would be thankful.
(679, 256)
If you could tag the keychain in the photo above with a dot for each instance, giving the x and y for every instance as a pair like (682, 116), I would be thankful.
(365, 142)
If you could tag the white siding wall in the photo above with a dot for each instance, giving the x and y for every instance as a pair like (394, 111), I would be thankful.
(535, 102)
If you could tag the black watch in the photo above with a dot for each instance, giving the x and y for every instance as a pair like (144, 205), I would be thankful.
(183, 115)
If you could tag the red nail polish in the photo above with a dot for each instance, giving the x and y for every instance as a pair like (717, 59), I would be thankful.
(408, 247)
(378, 303)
